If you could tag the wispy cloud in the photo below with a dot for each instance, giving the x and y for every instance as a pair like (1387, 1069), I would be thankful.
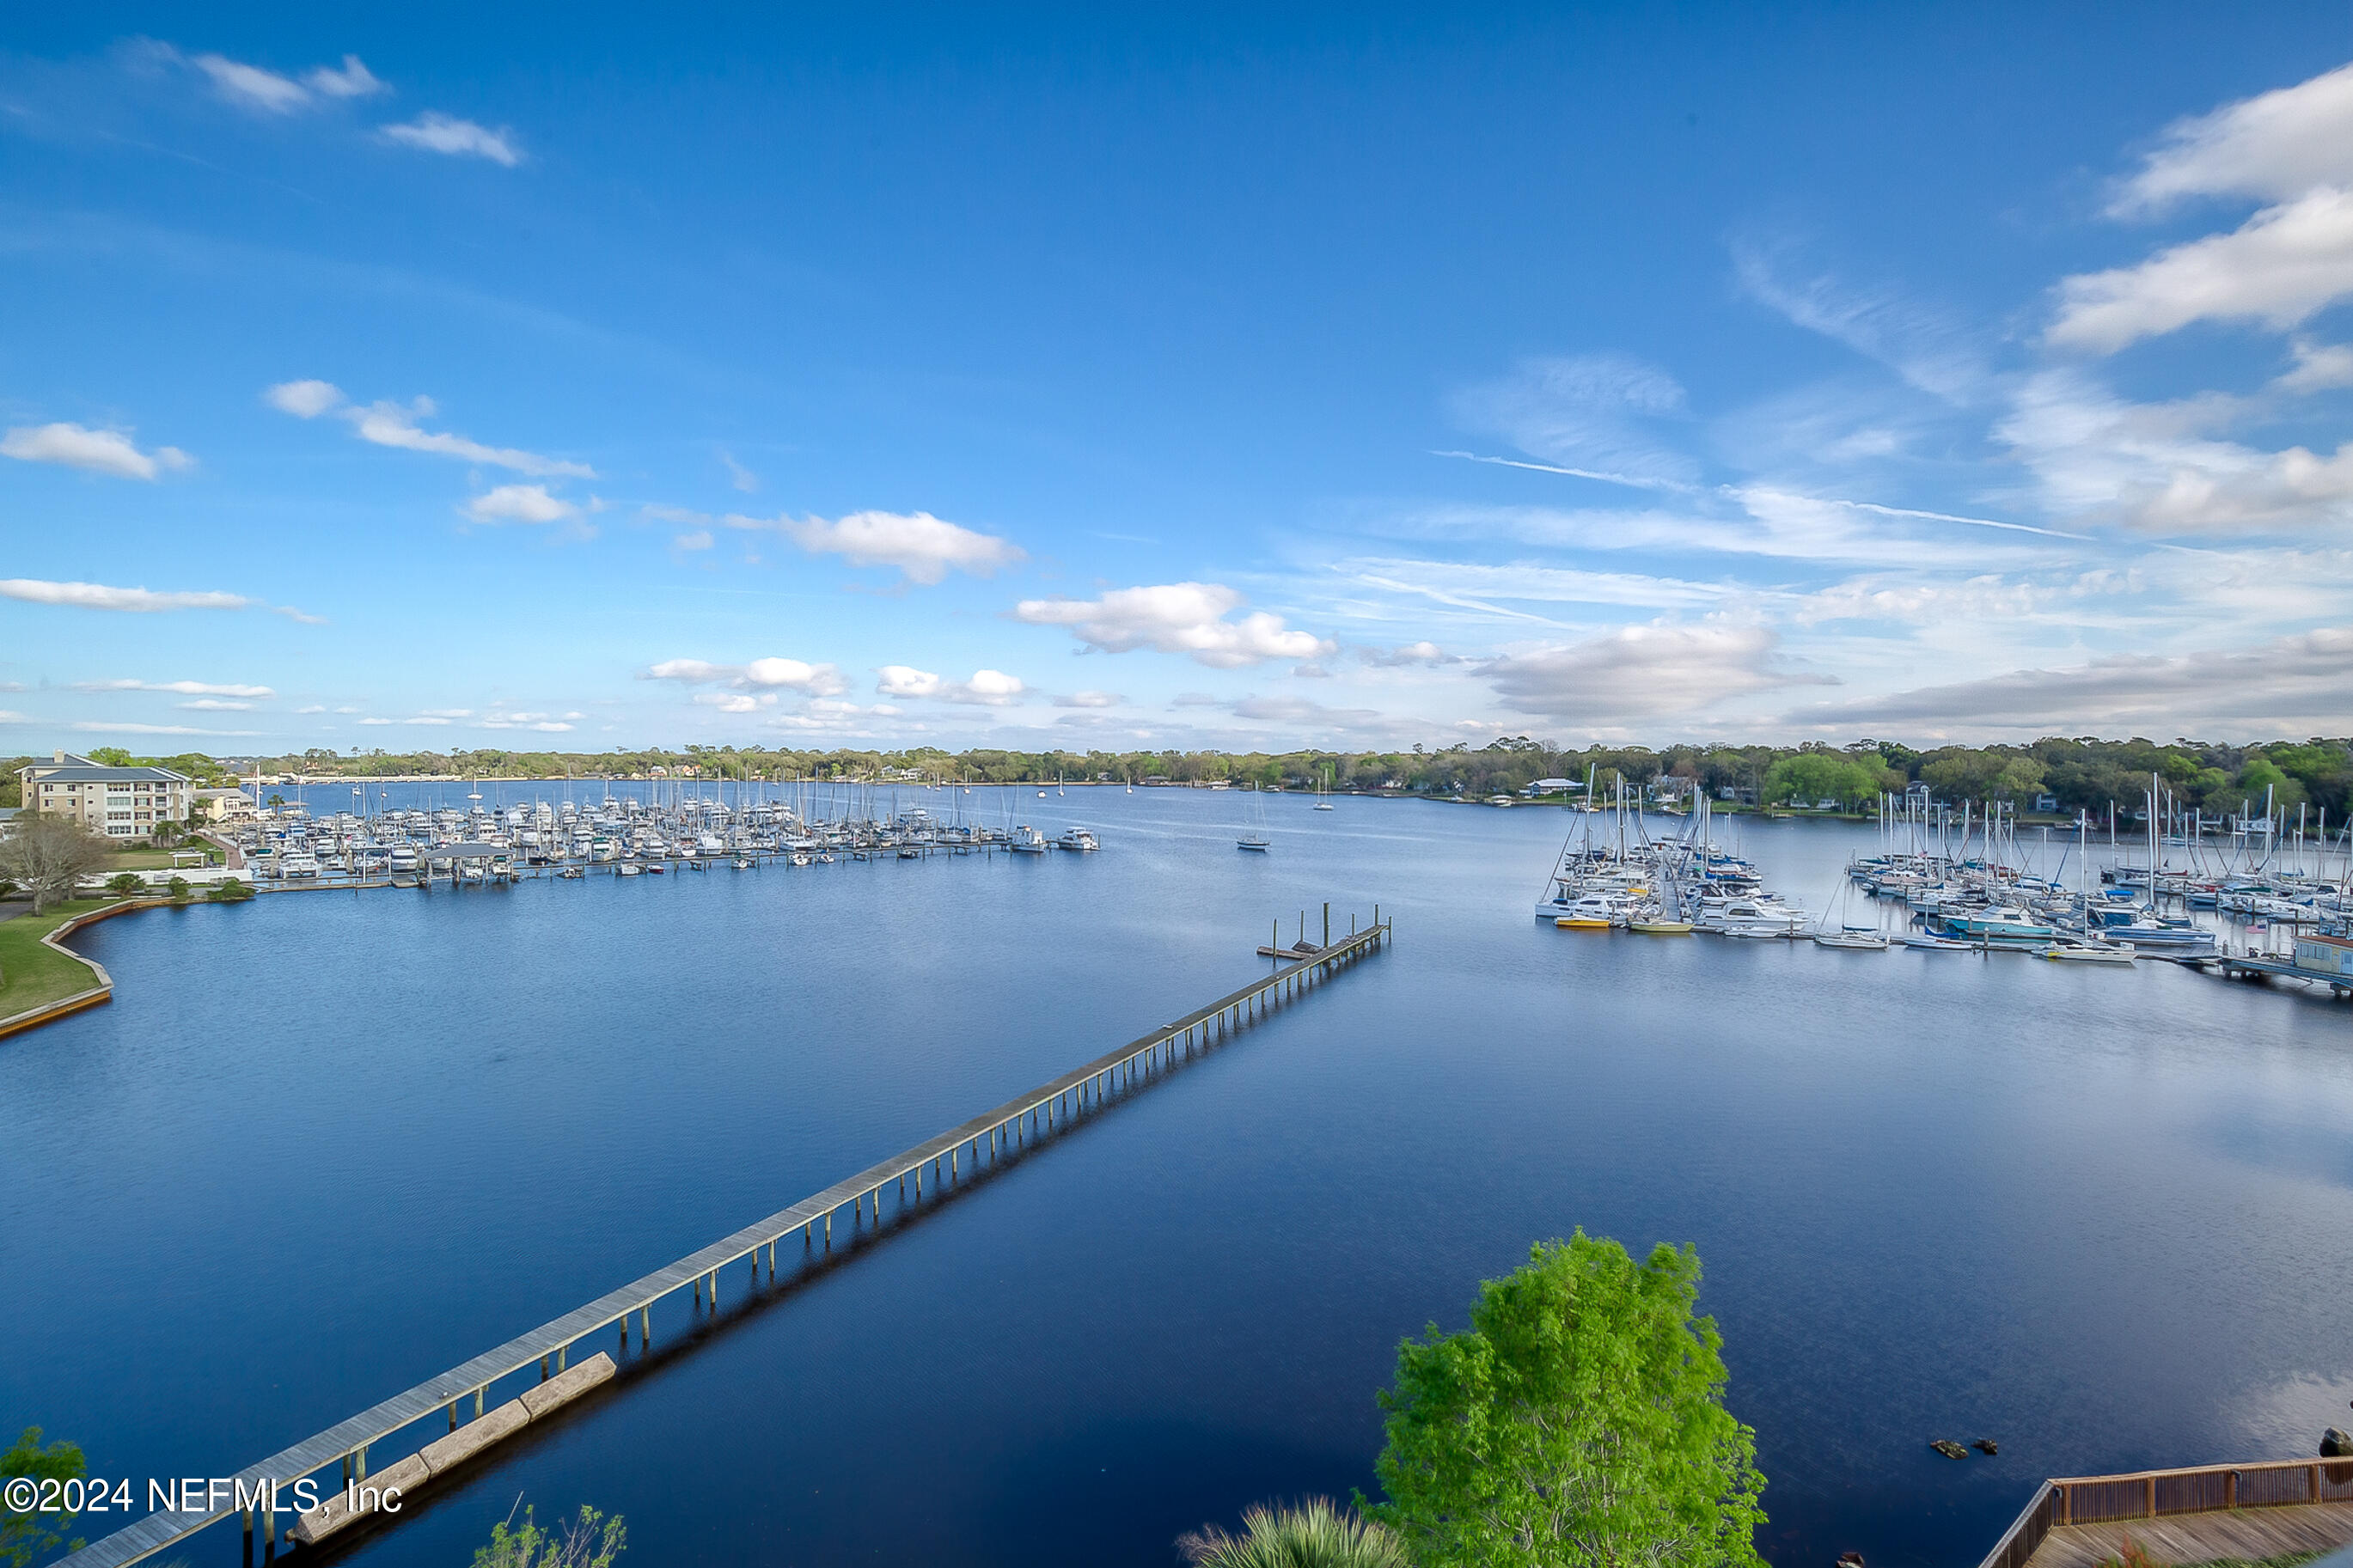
(92, 451)
(270, 92)
(1923, 346)
(100, 597)
(95, 727)
(435, 133)
(176, 688)
(1595, 414)
(395, 425)
(2291, 685)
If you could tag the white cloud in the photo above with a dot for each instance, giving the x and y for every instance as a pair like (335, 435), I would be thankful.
(1642, 672)
(2278, 267)
(2271, 147)
(741, 478)
(391, 425)
(1090, 699)
(315, 708)
(253, 87)
(95, 451)
(216, 705)
(437, 133)
(304, 399)
(760, 675)
(698, 538)
(520, 504)
(2158, 466)
(988, 688)
(923, 547)
(1176, 617)
(2318, 367)
(177, 688)
(99, 596)
(1299, 711)
(353, 80)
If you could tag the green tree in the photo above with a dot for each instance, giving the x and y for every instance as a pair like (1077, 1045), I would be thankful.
(1579, 1421)
(591, 1541)
(179, 889)
(48, 855)
(1812, 776)
(230, 890)
(26, 1535)
(123, 884)
(1318, 1533)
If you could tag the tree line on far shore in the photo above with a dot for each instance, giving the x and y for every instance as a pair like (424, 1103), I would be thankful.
(2084, 775)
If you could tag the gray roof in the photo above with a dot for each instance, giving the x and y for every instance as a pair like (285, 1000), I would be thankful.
(68, 768)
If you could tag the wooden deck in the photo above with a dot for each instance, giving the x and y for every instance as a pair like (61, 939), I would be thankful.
(2205, 1513)
(2247, 1532)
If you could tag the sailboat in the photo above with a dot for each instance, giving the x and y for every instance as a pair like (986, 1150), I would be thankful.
(1253, 835)
(1321, 790)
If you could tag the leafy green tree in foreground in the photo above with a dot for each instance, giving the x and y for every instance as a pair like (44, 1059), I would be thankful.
(591, 1541)
(1579, 1422)
(1316, 1534)
(26, 1536)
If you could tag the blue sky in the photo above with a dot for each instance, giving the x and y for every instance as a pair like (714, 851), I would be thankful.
(1344, 377)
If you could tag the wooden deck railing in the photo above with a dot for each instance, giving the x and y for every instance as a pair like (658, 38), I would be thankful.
(2154, 1494)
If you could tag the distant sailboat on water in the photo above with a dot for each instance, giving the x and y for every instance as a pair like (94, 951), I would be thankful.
(1253, 835)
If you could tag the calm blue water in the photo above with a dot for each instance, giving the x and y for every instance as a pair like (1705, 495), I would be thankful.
(326, 1144)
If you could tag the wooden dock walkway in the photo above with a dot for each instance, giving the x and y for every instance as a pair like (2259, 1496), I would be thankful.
(952, 1157)
(2186, 1516)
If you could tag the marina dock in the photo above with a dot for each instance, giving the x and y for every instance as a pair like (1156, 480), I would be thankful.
(952, 1159)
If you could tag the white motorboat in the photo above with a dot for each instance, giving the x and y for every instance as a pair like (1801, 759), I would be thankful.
(2092, 954)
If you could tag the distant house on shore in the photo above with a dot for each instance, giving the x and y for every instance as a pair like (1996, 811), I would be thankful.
(225, 805)
(121, 802)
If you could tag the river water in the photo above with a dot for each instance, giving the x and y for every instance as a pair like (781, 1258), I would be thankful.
(322, 1146)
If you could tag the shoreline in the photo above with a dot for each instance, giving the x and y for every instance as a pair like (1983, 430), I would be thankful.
(74, 1002)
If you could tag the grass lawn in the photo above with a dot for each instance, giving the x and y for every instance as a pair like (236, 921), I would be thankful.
(32, 975)
(139, 860)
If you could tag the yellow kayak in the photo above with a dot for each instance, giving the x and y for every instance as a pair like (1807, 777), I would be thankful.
(1660, 928)
(1582, 922)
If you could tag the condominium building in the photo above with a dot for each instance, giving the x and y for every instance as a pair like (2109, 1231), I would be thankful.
(121, 802)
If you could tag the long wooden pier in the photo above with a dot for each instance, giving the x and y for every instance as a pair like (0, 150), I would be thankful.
(952, 1157)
